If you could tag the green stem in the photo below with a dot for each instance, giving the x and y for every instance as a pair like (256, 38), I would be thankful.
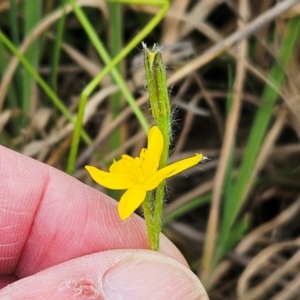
(161, 111)
(148, 214)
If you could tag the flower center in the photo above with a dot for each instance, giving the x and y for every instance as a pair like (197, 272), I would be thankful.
(148, 165)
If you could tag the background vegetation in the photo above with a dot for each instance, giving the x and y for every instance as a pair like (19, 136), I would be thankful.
(73, 92)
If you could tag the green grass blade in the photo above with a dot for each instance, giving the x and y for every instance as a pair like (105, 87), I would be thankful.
(13, 20)
(115, 37)
(51, 94)
(11, 93)
(56, 51)
(228, 178)
(264, 113)
(236, 233)
(110, 67)
(158, 3)
(32, 15)
(258, 131)
(14, 92)
(186, 208)
(115, 41)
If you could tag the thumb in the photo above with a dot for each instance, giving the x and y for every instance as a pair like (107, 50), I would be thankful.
(114, 274)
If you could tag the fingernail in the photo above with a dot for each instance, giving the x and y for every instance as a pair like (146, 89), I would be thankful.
(152, 276)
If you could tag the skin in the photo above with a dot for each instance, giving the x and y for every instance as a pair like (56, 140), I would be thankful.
(61, 239)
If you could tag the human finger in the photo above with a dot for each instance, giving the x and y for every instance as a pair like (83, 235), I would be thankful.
(114, 274)
(48, 217)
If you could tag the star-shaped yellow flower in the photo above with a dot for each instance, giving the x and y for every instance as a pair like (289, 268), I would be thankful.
(140, 175)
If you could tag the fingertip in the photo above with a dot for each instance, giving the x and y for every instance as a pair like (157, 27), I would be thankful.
(149, 275)
(114, 274)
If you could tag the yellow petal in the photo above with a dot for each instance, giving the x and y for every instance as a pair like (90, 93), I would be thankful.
(117, 167)
(150, 157)
(110, 180)
(153, 182)
(130, 201)
(121, 166)
(155, 142)
(184, 164)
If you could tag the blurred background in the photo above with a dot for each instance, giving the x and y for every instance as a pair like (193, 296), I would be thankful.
(73, 92)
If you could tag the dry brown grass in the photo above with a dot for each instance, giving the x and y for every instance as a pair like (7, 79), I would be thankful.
(202, 41)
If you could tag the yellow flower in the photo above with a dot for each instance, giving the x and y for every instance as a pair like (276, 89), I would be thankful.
(140, 175)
